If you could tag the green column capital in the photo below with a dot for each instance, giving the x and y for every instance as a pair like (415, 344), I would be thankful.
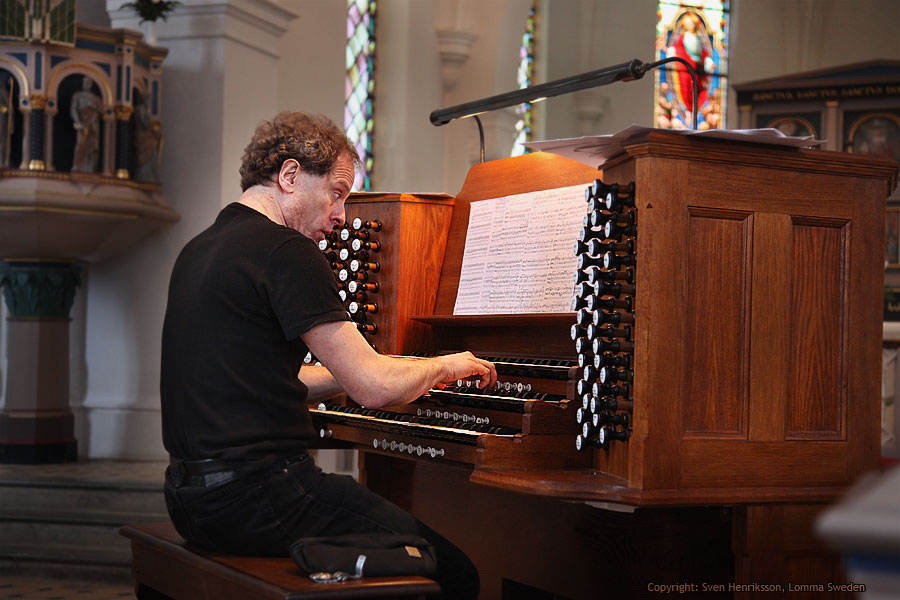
(39, 290)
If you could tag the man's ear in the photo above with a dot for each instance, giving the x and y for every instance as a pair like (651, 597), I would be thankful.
(287, 176)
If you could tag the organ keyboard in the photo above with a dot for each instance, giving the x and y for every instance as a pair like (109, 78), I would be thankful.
(719, 352)
(529, 407)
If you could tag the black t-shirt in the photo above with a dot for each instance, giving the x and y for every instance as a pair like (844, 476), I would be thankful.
(241, 293)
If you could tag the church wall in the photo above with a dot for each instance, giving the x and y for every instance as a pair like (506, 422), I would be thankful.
(311, 67)
(250, 95)
(126, 295)
(773, 38)
(408, 149)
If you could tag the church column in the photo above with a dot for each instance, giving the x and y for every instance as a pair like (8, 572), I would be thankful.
(108, 160)
(25, 109)
(50, 114)
(123, 141)
(454, 48)
(36, 423)
(745, 117)
(832, 122)
(38, 126)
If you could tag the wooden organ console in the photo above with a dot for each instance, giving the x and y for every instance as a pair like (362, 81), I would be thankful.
(714, 387)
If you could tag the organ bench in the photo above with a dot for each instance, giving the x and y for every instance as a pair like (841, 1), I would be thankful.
(164, 566)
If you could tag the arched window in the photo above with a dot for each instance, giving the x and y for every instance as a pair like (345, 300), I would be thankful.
(359, 95)
(696, 31)
(525, 78)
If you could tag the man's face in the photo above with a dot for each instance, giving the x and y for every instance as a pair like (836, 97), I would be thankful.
(317, 205)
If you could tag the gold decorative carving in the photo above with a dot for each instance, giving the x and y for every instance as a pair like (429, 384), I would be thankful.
(123, 113)
(22, 79)
(75, 176)
(36, 165)
(38, 101)
(122, 174)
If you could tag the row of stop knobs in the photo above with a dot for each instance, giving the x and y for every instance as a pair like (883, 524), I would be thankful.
(353, 253)
(604, 306)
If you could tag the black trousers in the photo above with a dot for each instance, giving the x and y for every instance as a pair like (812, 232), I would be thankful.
(261, 511)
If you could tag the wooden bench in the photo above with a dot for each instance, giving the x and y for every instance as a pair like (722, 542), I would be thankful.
(164, 566)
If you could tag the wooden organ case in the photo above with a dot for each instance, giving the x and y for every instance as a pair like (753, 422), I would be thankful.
(754, 382)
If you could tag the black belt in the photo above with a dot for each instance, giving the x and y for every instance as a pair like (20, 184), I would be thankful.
(212, 471)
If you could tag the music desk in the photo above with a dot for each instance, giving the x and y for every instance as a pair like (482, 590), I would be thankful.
(164, 566)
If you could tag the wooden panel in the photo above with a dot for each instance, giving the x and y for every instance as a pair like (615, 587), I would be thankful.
(662, 301)
(724, 463)
(715, 397)
(775, 545)
(707, 153)
(365, 438)
(866, 278)
(567, 550)
(771, 316)
(413, 239)
(388, 279)
(422, 246)
(595, 485)
(817, 391)
(551, 341)
(752, 189)
(530, 451)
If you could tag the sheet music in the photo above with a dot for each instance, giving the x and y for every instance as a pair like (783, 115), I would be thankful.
(594, 149)
(518, 257)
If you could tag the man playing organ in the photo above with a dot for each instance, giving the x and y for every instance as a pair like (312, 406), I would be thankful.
(248, 298)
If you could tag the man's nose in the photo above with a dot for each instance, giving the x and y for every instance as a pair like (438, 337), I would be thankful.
(339, 216)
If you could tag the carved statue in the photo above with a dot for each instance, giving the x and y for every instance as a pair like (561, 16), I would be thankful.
(85, 112)
(148, 143)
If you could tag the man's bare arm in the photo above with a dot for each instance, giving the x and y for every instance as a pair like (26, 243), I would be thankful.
(374, 380)
(321, 383)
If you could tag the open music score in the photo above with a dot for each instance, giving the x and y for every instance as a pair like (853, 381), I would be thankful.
(518, 257)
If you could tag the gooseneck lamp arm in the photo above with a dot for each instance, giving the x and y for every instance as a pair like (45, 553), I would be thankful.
(628, 71)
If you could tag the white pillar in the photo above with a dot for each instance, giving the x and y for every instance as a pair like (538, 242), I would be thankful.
(219, 79)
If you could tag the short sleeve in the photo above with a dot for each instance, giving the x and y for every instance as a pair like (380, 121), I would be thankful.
(301, 288)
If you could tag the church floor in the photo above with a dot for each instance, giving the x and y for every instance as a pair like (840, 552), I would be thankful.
(106, 471)
(90, 473)
(35, 588)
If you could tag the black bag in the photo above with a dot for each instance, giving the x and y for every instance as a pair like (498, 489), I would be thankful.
(363, 555)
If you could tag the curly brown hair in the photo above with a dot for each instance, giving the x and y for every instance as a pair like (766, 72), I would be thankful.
(313, 141)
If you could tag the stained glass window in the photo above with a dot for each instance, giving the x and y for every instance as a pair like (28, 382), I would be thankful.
(359, 95)
(696, 31)
(525, 78)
